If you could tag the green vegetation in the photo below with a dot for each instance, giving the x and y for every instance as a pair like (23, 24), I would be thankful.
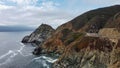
(73, 37)
(65, 33)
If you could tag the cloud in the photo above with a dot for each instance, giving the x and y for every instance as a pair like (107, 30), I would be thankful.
(21, 2)
(81, 6)
(101, 2)
(31, 15)
(2, 7)
(35, 12)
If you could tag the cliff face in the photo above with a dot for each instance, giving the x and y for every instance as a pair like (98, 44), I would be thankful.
(99, 50)
(42, 33)
(90, 52)
(91, 40)
(89, 22)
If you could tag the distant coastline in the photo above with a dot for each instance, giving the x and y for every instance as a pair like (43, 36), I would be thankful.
(15, 28)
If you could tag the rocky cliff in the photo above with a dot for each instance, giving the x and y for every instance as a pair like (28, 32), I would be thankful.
(42, 33)
(89, 22)
(90, 52)
(91, 40)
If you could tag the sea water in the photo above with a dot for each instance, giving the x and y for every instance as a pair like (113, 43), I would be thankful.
(14, 54)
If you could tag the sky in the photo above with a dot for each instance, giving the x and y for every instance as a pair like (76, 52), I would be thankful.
(53, 12)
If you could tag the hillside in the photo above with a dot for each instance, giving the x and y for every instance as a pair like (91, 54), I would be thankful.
(97, 19)
(86, 42)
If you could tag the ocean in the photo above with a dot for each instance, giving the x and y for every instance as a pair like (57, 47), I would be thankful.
(14, 54)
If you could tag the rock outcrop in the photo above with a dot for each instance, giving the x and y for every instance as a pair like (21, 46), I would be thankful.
(88, 41)
(89, 22)
(42, 33)
(90, 52)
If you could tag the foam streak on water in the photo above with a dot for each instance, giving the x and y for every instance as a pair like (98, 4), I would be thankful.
(48, 59)
(23, 53)
(7, 57)
(11, 54)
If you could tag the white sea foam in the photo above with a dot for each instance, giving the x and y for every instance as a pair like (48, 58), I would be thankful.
(8, 56)
(14, 54)
(25, 51)
(22, 44)
(48, 59)
(8, 53)
(45, 64)
(43, 60)
(21, 49)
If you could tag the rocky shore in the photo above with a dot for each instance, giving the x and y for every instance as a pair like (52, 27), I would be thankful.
(91, 40)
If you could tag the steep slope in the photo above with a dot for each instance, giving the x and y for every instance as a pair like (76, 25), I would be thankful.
(102, 51)
(97, 16)
(114, 22)
(91, 40)
(42, 33)
(91, 52)
(91, 22)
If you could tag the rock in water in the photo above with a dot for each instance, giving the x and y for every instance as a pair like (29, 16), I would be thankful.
(42, 33)
(25, 39)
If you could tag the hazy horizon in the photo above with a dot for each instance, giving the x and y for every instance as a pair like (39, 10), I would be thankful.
(15, 28)
(32, 13)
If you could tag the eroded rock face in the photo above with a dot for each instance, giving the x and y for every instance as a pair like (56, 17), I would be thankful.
(42, 33)
(90, 22)
(84, 42)
(110, 33)
(96, 51)
(92, 53)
